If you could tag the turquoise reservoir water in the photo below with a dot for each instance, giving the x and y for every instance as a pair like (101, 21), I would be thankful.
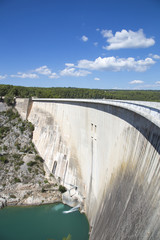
(42, 223)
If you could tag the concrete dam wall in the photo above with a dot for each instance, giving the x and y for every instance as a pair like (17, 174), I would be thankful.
(107, 154)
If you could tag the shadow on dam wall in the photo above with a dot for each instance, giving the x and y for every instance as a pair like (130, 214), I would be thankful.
(130, 210)
(130, 206)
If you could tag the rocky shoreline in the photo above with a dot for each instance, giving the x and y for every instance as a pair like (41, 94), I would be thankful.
(22, 175)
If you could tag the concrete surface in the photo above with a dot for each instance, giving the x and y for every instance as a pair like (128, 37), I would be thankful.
(107, 153)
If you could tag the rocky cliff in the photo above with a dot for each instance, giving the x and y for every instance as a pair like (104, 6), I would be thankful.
(22, 176)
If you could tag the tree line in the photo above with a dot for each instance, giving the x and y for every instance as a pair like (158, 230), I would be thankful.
(10, 91)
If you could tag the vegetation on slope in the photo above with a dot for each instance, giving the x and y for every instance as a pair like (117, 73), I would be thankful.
(15, 143)
(22, 176)
(10, 92)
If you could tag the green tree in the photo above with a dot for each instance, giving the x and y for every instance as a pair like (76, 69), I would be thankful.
(9, 100)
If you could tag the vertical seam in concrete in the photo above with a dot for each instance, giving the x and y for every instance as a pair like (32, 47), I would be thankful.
(29, 107)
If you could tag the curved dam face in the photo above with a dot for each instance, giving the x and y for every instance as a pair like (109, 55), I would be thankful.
(107, 154)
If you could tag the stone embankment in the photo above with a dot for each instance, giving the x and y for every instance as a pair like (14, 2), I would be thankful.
(22, 175)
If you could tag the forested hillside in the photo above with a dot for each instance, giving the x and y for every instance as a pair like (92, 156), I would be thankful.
(10, 91)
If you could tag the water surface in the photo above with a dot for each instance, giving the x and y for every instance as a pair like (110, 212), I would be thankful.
(42, 223)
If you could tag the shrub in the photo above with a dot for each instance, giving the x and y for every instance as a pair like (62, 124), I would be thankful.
(16, 156)
(22, 129)
(19, 120)
(33, 148)
(11, 114)
(26, 149)
(17, 145)
(17, 168)
(12, 196)
(4, 159)
(20, 163)
(62, 189)
(30, 126)
(38, 158)
(5, 148)
(9, 100)
(17, 180)
(43, 190)
(31, 163)
(4, 131)
(32, 144)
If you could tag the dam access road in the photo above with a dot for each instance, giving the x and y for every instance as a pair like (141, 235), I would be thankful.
(107, 154)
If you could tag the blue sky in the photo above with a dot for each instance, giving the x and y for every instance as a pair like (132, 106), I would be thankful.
(106, 44)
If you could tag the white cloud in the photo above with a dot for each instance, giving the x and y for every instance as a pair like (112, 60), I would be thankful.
(158, 82)
(25, 75)
(96, 79)
(84, 38)
(73, 72)
(126, 39)
(3, 77)
(95, 43)
(53, 76)
(107, 33)
(69, 64)
(155, 56)
(97, 29)
(136, 82)
(149, 86)
(44, 70)
(116, 64)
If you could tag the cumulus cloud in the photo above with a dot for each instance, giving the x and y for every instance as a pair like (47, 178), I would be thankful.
(84, 38)
(96, 79)
(155, 56)
(126, 39)
(136, 82)
(73, 72)
(53, 75)
(44, 70)
(25, 75)
(69, 64)
(116, 64)
(158, 82)
(107, 33)
(3, 77)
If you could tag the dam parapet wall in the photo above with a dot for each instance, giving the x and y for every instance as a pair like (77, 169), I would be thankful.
(23, 106)
(106, 153)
